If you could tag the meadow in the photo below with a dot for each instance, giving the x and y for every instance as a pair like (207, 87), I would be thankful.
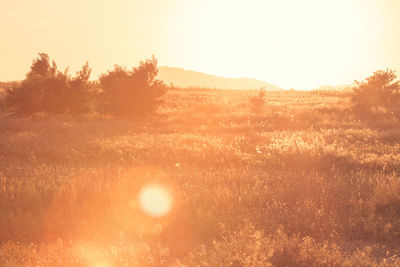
(301, 181)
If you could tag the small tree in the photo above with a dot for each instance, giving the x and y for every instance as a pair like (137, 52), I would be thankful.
(79, 96)
(46, 89)
(257, 103)
(132, 93)
(381, 91)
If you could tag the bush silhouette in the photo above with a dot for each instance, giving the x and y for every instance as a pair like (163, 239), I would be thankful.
(257, 103)
(46, 89)
(132, 93)
(378, 93)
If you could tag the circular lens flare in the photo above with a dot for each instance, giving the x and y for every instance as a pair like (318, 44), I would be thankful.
(155, 200)
(101, 264)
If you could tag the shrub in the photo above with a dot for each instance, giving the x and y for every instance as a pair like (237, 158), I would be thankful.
(46, 89)
(257, 103)
(132, 93)
(378, 93)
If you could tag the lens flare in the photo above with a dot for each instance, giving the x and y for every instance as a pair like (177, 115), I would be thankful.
(101, 264)
(155, 200)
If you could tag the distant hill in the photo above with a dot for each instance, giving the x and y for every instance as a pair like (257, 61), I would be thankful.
(186, 78)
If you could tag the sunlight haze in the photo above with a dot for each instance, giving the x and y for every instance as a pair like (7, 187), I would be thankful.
(292, 44)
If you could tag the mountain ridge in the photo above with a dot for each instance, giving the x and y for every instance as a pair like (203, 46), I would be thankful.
(188, 78)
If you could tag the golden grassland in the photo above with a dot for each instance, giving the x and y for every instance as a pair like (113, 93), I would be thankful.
(301, 182)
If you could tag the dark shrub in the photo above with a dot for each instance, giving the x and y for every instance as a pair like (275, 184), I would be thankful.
(257, 103)
(379, 93)
(132, 93)
(46, 89)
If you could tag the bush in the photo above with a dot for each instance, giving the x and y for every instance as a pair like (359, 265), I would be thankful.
(378, 93)
(46, 89)
(257, 103)
(132, 93)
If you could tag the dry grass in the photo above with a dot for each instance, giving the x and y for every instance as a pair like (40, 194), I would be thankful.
(302, 183)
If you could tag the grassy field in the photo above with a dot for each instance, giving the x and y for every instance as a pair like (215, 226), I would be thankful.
(301, 182)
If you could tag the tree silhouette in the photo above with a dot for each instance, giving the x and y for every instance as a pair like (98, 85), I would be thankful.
(380, 91)
(257, 103)
(132, 93)
(46, 89)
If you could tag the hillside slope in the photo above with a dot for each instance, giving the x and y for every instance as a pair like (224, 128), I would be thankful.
(187, 78)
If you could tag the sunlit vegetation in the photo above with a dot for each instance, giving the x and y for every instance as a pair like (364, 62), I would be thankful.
(47, 89)
(257, 103)
(121, 92)
(132, 93)
(378, 95)
(210, 181)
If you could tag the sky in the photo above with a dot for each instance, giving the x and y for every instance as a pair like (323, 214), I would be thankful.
(297, 44)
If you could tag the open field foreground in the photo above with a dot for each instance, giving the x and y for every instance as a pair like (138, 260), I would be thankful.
(300, 182)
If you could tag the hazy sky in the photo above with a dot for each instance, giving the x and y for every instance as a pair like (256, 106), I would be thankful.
(291, 43)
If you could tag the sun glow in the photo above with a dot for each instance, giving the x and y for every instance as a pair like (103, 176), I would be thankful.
(289, 43)
(155, 200)
(299, 44)
(101, 264)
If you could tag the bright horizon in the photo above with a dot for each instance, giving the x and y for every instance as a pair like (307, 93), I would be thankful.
(292, 44)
